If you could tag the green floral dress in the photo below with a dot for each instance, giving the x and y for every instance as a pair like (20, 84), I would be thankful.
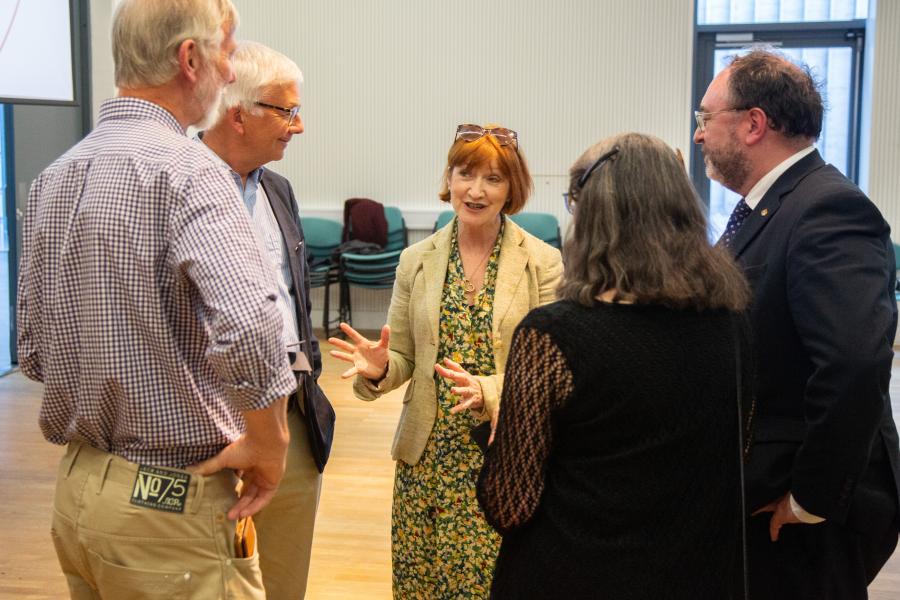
(442, 548)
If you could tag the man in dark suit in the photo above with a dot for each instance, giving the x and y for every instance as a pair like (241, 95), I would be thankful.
(257, 118)
(822, 478)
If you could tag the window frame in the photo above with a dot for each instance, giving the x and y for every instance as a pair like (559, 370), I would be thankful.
(9, 207)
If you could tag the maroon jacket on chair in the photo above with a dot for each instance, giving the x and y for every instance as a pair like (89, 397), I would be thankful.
(365, 219)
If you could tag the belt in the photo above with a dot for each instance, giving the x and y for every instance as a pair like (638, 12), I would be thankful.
(296, 399)
(299, 362)
(110, 467)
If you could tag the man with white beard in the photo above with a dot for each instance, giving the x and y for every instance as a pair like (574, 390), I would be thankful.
(148, 313)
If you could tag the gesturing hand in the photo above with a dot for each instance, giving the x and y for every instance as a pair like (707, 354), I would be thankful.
(369, 358)
(467, 386)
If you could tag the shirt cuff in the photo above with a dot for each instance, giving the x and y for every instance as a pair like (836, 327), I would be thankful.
(490, 395)
(800, 513)
(245, 396)
(375, 384)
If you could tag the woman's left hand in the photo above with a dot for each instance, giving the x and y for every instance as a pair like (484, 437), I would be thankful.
(467, 386)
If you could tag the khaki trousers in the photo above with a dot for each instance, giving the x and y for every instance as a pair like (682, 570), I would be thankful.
(284, 527)
(112, 549)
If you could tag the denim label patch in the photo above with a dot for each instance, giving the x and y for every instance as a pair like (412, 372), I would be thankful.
(162, 489)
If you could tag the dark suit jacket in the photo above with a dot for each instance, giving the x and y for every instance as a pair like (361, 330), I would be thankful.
(284, 206)
(819, 258)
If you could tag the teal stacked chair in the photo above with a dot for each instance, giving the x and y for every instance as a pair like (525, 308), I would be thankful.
(323, 236)
(373, 271)
(443, 218)
(543, 226)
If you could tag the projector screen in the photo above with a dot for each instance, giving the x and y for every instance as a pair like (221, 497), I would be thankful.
(36, 59)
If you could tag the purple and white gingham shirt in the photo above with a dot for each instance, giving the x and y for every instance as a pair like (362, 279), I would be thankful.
(143, 303)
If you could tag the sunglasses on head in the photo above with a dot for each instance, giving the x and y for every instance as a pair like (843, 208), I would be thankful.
(504, 136)
(571, 196)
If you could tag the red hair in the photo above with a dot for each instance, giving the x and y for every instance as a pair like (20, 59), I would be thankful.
(484, 151)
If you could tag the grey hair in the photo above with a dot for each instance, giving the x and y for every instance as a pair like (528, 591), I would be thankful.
(256, 67)
(639, 228)
(146, 35)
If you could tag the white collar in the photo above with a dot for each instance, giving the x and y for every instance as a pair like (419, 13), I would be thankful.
(762, 186)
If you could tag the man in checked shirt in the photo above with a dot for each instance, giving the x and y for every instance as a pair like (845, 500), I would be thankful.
(150, 316)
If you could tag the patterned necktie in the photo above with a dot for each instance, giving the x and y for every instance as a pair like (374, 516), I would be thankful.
(741, 211)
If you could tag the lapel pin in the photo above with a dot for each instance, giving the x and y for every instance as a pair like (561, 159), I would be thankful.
(764, 212)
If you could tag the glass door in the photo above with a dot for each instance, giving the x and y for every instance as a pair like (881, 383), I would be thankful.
(7, 257)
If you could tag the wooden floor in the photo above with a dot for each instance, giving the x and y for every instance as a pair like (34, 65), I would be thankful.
(351, 553)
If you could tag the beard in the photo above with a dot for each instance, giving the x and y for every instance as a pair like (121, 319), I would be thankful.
(728, 165)
(208, 96)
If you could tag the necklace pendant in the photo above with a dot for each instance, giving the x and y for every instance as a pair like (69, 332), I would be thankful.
(468, 286)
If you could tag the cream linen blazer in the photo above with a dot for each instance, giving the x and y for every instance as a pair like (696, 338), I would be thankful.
(527, 275)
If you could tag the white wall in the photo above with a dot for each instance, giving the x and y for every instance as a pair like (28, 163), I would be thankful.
(881, 130)
(387, 82)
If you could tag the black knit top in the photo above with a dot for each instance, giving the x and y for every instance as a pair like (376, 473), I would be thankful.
(614, 473)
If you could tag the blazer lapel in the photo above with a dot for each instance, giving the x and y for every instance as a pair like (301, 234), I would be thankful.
(511, 267)
(291, 234)
(434, 272)
(754, 223)
(771, 201)
(287, 221)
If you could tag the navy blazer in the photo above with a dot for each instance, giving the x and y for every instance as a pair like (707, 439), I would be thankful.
(317, 410)
(284, 206)
(819, 258)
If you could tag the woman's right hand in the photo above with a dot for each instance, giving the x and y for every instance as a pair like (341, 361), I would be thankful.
(369, 358)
